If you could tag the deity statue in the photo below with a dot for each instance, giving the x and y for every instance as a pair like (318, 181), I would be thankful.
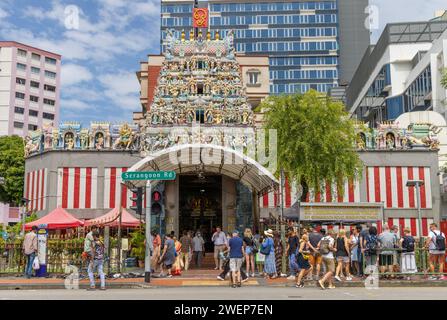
(209, 115)
(30, 146)
(99, 141)
(390, 141)
(69, 141)
(84, 137)
(125, 139)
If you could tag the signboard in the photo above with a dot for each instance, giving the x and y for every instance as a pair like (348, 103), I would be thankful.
(42, 236)
(200, 18)
(341, 211)
(148, 175)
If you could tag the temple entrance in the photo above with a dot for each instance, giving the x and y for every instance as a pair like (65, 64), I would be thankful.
(200, 205)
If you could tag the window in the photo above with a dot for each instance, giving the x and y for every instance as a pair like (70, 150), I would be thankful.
(18, 125)
(33, 113)
(20, 81)
(20, 95)
(32, 127)
(19, 110)
(253, 77)
(34, 98)
(35, 84)
(49, 102)
(21, 66)
(48, 116)
(21, 53)
(35, 56)
(50, 74)
(47, 87)
(35, 70)
(50, 60)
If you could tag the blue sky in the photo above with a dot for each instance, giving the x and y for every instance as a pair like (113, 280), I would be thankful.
(101, 56)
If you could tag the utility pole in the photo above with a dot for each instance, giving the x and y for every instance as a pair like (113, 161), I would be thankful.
(282, 226)
(120, 213)
(147, 260)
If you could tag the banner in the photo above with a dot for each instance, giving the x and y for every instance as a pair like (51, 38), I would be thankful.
(200, 18)
(341, 212)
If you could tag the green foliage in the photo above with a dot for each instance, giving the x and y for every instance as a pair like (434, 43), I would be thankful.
(137, 243)
(12, 169)
(444, 79)
(315, 139)
(17, 228)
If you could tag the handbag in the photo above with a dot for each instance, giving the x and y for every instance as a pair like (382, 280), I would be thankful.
(266, 250)
(36, 264)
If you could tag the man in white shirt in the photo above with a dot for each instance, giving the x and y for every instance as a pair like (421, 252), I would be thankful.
(326, 248)
(30, 250)
(220, 243)
(436, 246)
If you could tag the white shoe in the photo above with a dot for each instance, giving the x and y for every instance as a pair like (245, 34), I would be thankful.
(337, 278)
(220, 278)
(291, 278)
(348, 279)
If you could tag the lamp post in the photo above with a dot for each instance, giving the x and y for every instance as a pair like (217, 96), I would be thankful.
(24, 204)
(417, 184)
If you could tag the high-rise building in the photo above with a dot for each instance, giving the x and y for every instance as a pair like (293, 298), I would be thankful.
(311, 44)
(29, 88)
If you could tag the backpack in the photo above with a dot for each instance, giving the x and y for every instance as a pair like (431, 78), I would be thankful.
(439, 241)
(408, 244)
(324, 246)
(371, 244)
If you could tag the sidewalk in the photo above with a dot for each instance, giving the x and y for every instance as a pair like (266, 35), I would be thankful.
(193, 278)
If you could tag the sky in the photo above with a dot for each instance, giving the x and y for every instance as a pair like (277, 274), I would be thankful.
(102, 49)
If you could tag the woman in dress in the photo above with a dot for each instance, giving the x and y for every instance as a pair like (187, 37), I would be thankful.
(178, 262)
(303, 260)
(167, 258)
(278, 252)
(354, 243)
(269, 263)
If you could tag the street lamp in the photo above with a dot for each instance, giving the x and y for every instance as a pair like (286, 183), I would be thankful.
(417, 184)
(24, 205)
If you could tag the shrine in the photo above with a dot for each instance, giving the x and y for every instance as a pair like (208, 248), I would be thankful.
(198, 119)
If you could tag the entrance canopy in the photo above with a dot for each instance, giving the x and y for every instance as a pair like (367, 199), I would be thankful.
(111, 219)
(207, 158)
(56, 219)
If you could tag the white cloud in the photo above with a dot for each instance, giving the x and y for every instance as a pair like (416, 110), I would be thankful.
(3, 13)
(74, 74)
(122, 89)
(71, 105)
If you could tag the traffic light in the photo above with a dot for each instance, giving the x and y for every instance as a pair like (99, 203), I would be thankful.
(157, 203)
(137, 197)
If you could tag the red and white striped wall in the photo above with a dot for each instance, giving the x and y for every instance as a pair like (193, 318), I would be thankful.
(388, 185)
(328, 194)
(402, 223)
(35, 189)
(113, 191)
(77, 188)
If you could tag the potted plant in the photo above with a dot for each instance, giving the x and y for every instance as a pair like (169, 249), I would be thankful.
(138, 250)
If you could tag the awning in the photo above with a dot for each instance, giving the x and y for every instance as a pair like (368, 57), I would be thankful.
(111, 219)
(56, 219)
(209, 159)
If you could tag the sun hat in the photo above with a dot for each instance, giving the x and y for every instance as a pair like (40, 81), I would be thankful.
(269, 233)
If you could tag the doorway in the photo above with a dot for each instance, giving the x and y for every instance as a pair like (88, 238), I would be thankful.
(200, 205)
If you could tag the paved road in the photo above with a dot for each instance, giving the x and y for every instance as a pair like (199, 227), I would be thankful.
(223, 293)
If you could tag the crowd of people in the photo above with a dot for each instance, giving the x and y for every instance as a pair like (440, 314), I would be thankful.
(313, 254)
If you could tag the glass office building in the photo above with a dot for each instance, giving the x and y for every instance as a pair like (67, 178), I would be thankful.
(301, 38)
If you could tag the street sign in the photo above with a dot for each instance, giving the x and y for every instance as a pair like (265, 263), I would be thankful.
(148, 175)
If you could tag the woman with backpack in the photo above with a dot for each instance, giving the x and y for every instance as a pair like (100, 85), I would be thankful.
(302, 259)
(436, 246)
(342, 253)
(250, 250)
(268, 250)
(408, 257)
(370, 247)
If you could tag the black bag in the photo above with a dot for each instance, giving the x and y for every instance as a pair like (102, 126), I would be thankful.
(408, 244)
(371, 244)
(439, 241)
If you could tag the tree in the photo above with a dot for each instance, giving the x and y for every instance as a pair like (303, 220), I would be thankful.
(444, 79)
(12, 169)
(315, 139)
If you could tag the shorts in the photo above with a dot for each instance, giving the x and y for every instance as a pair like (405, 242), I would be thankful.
(329, 264)
(385, 260)
(315, 259)
(248, 250)
(235, 264)
(343, 259)
(168, 266)
(436, 257)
